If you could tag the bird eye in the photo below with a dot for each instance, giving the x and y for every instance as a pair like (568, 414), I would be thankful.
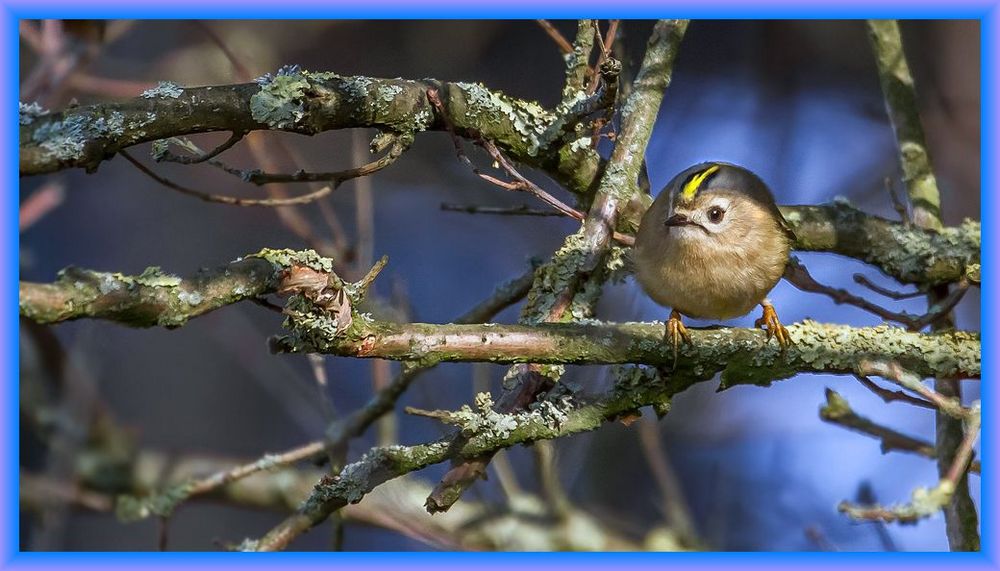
(715, 214)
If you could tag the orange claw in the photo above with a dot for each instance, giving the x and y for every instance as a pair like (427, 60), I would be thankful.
(770, 323)
(675, 332)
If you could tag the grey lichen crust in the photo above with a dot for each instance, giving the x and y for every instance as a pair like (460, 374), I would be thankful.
(28, 112)
(167, 89)
(65, 140)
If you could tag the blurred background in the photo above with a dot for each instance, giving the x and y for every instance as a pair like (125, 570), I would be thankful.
(755, 468)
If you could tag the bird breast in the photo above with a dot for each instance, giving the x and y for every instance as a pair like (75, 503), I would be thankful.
(701, 279)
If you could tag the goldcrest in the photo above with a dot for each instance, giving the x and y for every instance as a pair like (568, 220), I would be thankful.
(712, 246)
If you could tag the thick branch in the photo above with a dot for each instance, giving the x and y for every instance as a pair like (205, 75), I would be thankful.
(909, 254)
(146, 300)
(743, 355)
(300, 102)
(154, 298)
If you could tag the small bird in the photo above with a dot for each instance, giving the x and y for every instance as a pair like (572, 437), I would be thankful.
(713, 245)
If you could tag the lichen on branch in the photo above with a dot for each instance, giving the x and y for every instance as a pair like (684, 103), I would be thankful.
(907, 253)
(156, 298)
(743, 356)
(303, 102)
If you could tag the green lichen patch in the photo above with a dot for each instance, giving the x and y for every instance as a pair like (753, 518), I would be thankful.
(153, 276)
(555, 277)
(164, 89)
(131, 508)
(282, 259)
(528, 119)
(923, 503)
(279, 103)
(618, 264)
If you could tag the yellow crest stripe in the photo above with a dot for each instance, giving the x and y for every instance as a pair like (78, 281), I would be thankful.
(691, 187)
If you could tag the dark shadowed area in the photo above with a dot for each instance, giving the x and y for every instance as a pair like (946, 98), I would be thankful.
(756, 468)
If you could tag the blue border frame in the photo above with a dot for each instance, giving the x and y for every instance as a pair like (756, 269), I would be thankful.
(986, 11)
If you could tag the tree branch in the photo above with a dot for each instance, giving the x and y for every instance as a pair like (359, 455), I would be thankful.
(300, 102)
(961, 519)
(838, 411)
(799, 276)
(744, 355)
(927, 502)
(154, 298)
(908, 254)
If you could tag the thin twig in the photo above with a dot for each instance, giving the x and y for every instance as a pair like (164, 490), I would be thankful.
(838, 411)
(547, 471)
(291, 217)
(927, 502)
(242, 72)
(861, 279)
(674, 506)
(797, 274)
(259, 177)
(234, 138)
(557, 37)
(39, 203)
(208, 197)
(521, 183)
(524, 184)
(523, 210)
(605, 43)
(336, 178)
(893, 371)
(897, 202)
(963, 456)
(866, 495)
(506, 477)
(364, 208)
(41, 491)
(266, 462)
(164, 503)
(888, 396)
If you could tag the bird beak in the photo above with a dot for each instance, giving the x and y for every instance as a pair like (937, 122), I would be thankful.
(678, 220)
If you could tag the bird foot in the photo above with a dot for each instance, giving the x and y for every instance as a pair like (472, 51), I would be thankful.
(769, 322)
(676, 332)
